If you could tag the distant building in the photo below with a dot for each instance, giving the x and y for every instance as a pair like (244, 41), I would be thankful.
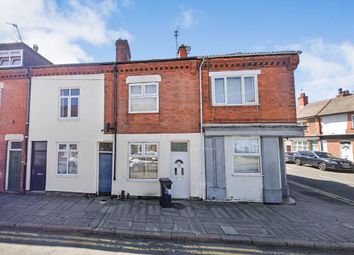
(329, 125)
(15, 62)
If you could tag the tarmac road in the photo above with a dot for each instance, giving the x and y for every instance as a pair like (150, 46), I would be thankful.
(338, 186)
(37, 243)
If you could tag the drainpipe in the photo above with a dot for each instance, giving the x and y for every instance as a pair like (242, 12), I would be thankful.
(28, 99)
(203, 176)
(115, 106)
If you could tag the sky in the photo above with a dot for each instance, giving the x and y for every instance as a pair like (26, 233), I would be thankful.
(84, 31)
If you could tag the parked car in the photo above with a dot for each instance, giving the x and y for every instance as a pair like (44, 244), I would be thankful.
(289, 157)
(323, 160)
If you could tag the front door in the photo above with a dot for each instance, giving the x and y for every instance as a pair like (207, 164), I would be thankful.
(14, 166)
(105, 169)
(38, 166)
(346, 150)
(180, 169)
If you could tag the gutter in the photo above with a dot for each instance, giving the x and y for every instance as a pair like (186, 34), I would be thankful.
(115, 106)
(202, 157)
(28, 101)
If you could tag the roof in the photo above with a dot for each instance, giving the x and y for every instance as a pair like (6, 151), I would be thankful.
(327, 107)
(339, 105)
(311, 109)
(253, 54)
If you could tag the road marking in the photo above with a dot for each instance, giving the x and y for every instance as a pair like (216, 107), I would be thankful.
(335, 179)
(348, 226)
(325, 193)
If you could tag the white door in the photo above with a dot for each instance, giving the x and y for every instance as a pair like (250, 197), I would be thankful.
(346, 150)
(180, 170)
(324, 145)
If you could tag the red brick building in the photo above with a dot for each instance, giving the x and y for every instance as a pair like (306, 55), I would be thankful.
(212, 124)
(329, 125)
(15, 60)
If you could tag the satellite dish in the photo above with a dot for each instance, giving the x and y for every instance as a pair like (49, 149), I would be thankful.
(188, 48)
(2, 85)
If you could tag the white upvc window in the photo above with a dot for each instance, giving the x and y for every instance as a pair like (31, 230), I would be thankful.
(67, 158)
(69, 103)
(143, 161)
(144, 97)
(246, 155)
(234, 88)
(352, 121)
(11, 58)
(300, 145)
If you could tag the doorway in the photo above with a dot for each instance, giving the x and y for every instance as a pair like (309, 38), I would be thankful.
(105, 169)
(13, 176)
(346, 150)
(38, 166)
(180, 169)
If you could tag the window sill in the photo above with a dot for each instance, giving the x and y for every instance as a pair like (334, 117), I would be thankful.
(247, 174)
(68, 175)
(253, 104)
(143, 112)
(76, 118)
(144, 180)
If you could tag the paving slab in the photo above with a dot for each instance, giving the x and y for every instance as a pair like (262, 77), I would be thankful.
(310, 223)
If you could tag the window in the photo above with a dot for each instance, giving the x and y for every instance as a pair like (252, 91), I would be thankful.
(235, 87)
(143, 98)
(352, 121)
(67, 158)
(11, 58)
(300, 145)
(69, 103)
(143, 160)
(246, 155)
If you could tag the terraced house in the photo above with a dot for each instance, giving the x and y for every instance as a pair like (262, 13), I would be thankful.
(15, 60)
(212, 124)
(329, 125)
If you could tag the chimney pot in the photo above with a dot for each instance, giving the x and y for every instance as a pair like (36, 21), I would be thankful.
(35, 47)
(340, 91)
(303, 99)
(122, 51)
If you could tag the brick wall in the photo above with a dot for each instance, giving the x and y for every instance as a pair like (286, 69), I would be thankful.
(350, 128)
(313, 126)
(333, 147)
(275, 89)
(178, 98)
(12, 119)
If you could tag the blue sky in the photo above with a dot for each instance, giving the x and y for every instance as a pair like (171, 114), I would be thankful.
(85, 31)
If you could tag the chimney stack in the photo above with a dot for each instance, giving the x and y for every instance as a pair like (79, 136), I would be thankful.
(183, 51)
(303, 99)
(122, 51)
(343, 93)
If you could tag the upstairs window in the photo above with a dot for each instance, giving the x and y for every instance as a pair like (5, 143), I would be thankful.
(235, 88)
(144, 98)
(11, 58)
(353, 121)
(69, 103)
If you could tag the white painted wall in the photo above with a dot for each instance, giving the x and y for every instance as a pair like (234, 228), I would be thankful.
(152, 187)
(86, 131)
(241, 187)
(334, 124)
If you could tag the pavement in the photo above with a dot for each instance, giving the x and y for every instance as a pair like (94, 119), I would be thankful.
(313, 222)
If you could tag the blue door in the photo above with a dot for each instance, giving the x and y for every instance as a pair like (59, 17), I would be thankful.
(105, 173)
(39, 165)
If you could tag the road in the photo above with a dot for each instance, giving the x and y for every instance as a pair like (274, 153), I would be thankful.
(336, 186)
(29, 243)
